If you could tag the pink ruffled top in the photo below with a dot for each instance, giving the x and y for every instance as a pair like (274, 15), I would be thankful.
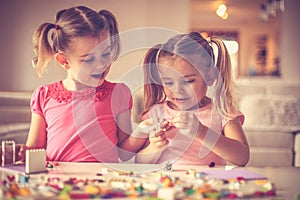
(81, 125)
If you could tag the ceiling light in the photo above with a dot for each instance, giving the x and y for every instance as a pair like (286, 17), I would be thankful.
(222, 11)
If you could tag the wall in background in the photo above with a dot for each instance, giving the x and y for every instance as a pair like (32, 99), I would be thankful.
(290, 46)
(19, 19)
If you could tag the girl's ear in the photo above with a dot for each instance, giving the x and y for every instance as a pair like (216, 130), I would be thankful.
(62, 60)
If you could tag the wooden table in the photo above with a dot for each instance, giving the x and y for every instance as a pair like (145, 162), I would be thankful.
(286, 179)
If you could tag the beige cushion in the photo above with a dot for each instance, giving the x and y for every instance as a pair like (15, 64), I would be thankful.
(275, 157)
(270, 124)
(270, 148)
(14, 116)
(270, 139)
(271, 112)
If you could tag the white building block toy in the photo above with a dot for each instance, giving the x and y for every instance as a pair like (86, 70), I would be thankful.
(35, 161)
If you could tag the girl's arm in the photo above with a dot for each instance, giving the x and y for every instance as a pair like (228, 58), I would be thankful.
(128, 141)
(232, 146)
(37, 136)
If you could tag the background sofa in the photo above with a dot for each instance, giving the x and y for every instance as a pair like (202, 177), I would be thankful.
(14, 116)
(272, 120)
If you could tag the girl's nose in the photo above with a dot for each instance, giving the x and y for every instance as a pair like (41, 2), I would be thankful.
(101, 63)
(178, 89)
(101, 68)
(104, 62)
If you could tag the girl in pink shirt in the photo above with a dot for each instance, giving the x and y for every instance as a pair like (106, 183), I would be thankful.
(83, 118)
(189, 104)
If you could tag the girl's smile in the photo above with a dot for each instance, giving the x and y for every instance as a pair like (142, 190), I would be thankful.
(181, 100)
(97, 76)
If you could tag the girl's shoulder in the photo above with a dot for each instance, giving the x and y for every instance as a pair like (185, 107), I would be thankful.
(48, 89)
(42, 94)
(54, 90)
(120, 90)
(236, 114)
(118, 86)
(50, 86)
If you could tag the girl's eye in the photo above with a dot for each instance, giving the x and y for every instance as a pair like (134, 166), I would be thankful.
(168, 83)
(107, 54)
(89, 59)
(189, 81)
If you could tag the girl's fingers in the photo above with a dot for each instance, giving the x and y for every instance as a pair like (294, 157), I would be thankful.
(163, 123)
(21, 153)
(158, 142)
(182, 124)
(160, 135)
(159, 139)
(162, 143)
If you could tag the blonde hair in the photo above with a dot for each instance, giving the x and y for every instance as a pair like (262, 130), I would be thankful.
(188, 46)
(70, 23)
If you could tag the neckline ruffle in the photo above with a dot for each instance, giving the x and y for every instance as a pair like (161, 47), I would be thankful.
(60, 94)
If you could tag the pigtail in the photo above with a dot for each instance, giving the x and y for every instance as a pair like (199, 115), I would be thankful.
(42, 48)
(114, 32)
(153, 90)
(223, 97)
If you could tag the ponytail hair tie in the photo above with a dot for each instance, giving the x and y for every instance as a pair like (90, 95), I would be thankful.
(56, 27)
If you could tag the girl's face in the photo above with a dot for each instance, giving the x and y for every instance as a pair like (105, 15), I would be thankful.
(182, 83)
(89, 59)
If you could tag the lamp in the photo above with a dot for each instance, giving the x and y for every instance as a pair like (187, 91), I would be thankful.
(222, 11)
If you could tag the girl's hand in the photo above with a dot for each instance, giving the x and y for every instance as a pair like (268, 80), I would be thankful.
(158, 140)
(151, 126)
(156, 130)
(22, 152)
(187, 123)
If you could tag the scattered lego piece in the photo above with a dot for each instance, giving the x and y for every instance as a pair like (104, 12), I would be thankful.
(35, 161)
(166, 193)
(8, 152)
(168, 166)
(212, 164)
